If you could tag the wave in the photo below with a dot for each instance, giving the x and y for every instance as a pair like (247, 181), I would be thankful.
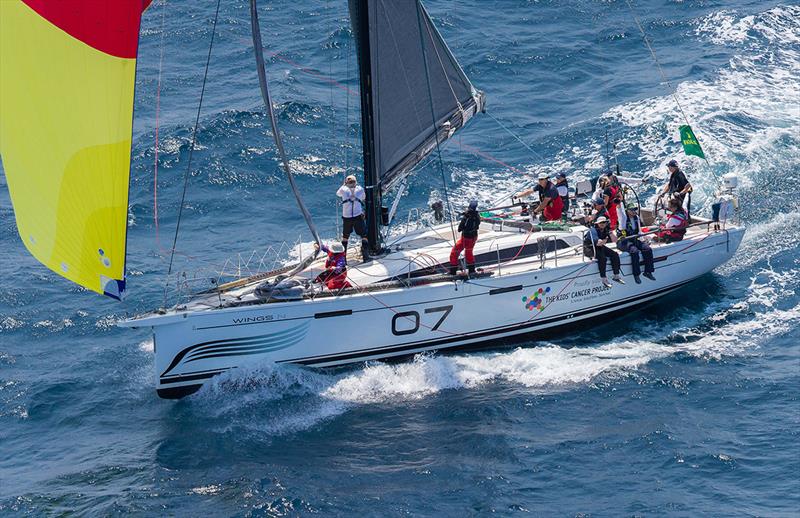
(745, 116)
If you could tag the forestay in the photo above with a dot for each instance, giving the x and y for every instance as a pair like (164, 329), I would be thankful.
(410, 107)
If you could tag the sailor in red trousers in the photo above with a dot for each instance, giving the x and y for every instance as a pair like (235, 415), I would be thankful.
(470, 221)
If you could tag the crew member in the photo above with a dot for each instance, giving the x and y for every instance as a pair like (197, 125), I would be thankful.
(563, 192)
(634, 245)
(598, 210)
(468, 226)
(550, 204)
(594, 246)
(611, 199)
(335, 274)
(353, 196)
(678, 185)
(677, 221)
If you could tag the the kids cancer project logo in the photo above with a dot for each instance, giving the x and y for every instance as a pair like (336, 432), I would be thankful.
(536, 301)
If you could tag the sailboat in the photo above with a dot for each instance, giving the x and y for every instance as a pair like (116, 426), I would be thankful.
(70, 204)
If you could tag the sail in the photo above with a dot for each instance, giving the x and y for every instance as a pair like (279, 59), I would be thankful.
(67, 73)
(413, 89)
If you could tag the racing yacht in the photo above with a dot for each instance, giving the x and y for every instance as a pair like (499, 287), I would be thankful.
(70, 203)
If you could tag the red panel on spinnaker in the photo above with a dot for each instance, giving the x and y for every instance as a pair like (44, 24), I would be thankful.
(110, 26)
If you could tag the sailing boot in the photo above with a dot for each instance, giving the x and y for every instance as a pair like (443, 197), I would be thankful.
(637, 279)
(453, 271)
(471, 269)
(649, 275)
(365, 251)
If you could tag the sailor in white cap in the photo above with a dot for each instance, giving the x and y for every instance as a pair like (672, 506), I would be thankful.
(595, 247)
(353, 196)
(550, 204)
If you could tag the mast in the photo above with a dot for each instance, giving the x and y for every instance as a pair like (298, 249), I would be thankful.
(414, 95)
(360, 21)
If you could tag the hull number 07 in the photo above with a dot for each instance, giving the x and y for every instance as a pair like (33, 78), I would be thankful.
(408, 322)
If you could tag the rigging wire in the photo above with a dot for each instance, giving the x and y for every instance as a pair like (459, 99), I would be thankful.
(672, 90)
(433, 117)
(529, 148)
(158, 111)
(191, 148)
(332, 29)
(262, 81)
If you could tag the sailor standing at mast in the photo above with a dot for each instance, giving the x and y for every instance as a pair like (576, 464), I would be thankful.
(353, 196)
(468, 226)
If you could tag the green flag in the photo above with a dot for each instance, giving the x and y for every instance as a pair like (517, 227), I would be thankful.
(690, 144)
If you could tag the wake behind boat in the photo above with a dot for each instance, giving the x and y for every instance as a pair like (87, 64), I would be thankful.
(401, 299)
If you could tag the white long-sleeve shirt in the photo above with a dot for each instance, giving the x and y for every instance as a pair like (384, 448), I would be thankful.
(351, 200)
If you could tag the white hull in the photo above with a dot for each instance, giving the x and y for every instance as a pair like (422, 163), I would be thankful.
(191, 346)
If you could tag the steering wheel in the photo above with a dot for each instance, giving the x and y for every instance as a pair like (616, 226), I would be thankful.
(660, 208)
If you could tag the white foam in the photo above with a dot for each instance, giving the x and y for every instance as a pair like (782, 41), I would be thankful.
(776, 25)
(743, 116)
(764, 241)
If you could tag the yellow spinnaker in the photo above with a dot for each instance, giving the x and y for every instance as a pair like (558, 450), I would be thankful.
(66, 111)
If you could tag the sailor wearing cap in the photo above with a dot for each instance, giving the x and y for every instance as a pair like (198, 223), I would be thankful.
(595, 247)
(678, 185)
(634, 245)
(335, 274)
(353, 196)
(598, 209)
(550, 204)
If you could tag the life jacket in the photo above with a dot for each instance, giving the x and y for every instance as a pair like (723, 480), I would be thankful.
(676, 233)
(337, 262)
(632, 229)
(470, 222)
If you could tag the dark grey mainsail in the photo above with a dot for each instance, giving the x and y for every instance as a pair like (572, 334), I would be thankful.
(413, 92)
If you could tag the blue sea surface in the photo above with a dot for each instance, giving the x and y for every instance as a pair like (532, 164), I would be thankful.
(687, 407)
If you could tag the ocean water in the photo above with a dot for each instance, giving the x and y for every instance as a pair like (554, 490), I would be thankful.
(687, 407)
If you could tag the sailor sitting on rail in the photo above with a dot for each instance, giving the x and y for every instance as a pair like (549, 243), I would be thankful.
(633, 244)
(594, 246)
(335, 274)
